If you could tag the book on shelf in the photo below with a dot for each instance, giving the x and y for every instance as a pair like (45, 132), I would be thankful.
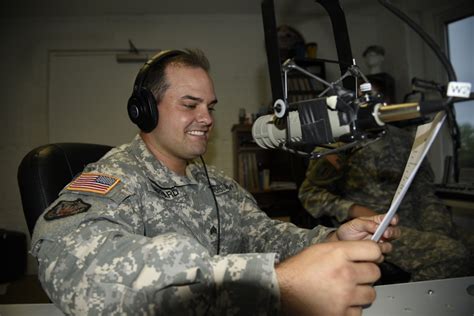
(265, 179)
(255, 180)
(254, 172)
(248, 171)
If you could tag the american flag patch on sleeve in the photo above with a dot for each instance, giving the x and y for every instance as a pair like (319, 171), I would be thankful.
(93, 182)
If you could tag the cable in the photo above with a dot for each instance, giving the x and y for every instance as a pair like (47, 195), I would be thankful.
(217, 207)
(428, 40)
(451, 114)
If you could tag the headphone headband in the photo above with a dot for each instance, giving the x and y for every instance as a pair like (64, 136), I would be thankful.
(159, 57)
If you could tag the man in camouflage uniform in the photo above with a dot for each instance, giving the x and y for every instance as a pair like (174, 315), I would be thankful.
(363, 182)
(142, 232)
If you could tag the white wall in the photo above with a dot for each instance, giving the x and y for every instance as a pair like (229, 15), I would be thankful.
(423, 63)
(233, 43)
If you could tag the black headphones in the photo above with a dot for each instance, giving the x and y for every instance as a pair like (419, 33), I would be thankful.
(141, 105)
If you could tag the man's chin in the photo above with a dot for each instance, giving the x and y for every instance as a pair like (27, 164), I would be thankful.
(197, 153)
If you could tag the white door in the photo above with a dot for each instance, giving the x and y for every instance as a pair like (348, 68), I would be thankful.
(88, 94)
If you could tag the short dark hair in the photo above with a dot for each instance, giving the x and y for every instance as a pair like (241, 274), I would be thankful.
(374, 48)
(156, 80)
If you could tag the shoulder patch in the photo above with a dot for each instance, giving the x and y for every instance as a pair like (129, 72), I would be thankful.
(93, 182)
(221, 188)
(66, 208)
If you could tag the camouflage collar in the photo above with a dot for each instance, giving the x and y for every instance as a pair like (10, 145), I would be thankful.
(155, 170)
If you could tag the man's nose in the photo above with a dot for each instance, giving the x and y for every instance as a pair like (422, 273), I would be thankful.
(205, 116)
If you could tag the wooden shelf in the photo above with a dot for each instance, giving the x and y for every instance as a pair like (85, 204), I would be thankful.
(302, 87)
(267, 175)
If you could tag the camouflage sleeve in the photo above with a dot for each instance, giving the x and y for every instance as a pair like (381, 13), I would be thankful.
(434, 216)
(100, 262)
(316, 191)
(267, 235)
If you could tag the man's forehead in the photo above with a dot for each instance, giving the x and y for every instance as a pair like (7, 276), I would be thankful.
(180, 70)
(176, 66)
(190, 86)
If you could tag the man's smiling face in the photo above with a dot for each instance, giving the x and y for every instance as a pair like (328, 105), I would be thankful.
(185, 114)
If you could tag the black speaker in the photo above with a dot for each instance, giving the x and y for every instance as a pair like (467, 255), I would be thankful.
(13, 255)
(141, 105)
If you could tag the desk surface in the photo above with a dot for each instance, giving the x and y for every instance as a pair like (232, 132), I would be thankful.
(456, 191)
(29, 310)
(429, 298)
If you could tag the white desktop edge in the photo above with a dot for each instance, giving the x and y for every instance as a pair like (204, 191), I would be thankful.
(428, 298)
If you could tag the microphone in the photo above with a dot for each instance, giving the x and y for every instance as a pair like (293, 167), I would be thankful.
(321, 121)
(314, 121)
(407, 111)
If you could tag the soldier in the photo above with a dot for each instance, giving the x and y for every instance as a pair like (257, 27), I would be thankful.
(362, 183)
(149, 230)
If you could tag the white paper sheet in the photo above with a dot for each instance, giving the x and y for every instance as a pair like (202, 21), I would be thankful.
(425, 135)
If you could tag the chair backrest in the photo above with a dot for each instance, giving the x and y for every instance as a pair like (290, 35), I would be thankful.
(45, 170)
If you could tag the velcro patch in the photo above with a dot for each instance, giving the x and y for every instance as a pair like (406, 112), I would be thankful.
(93, 182)
(221, 188)
(66, 208)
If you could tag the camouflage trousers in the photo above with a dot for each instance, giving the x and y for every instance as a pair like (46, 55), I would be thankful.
(467, 236)
(429, 256)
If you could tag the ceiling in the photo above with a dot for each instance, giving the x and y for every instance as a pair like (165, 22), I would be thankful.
(283, 8)
(49, 8)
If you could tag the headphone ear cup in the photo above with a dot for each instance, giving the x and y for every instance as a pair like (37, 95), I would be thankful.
(142, 110)
(150, 105)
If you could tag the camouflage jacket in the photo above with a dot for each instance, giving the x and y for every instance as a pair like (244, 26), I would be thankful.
(128, 236)
(369, 176)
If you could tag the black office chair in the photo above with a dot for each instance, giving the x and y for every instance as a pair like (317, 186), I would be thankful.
(45, 170)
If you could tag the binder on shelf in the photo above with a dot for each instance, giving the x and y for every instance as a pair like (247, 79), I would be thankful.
(253, 172)
(265, 179)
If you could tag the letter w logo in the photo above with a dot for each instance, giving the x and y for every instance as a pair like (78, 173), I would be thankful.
(459, 89)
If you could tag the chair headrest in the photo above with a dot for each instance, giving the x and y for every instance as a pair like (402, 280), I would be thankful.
(45, 170)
